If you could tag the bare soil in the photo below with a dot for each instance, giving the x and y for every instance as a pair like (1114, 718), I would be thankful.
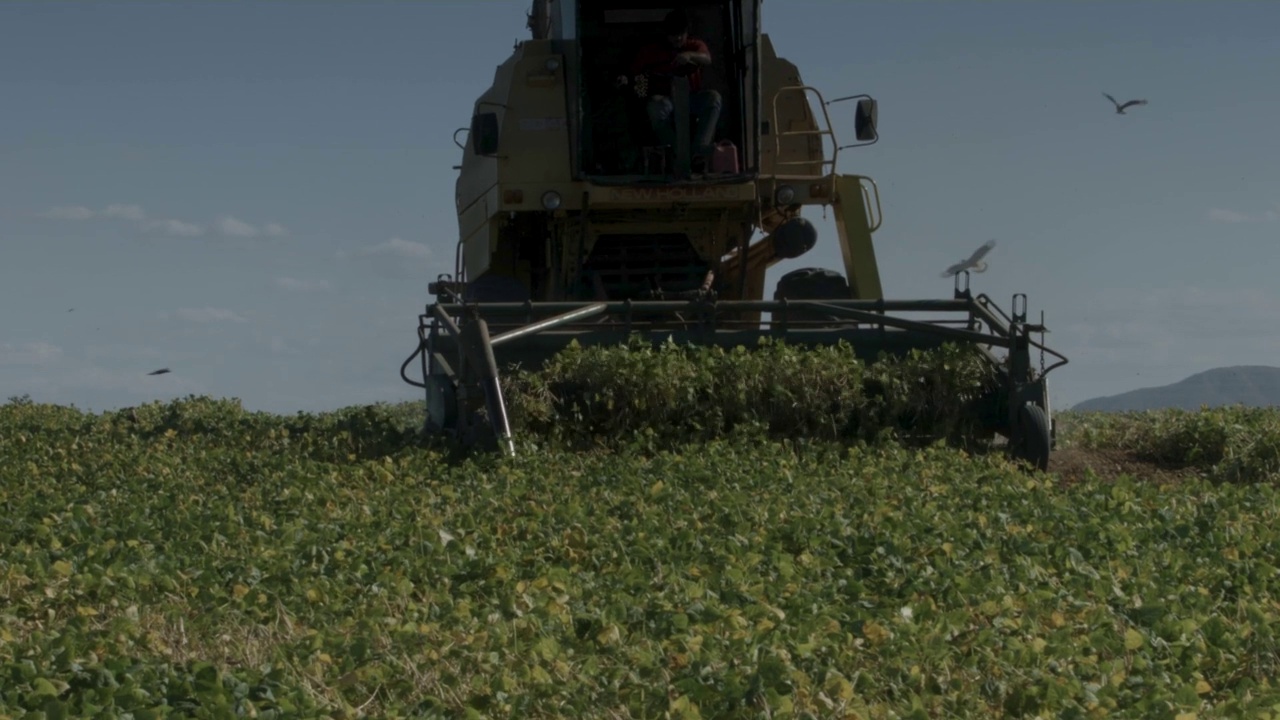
(1072, 465)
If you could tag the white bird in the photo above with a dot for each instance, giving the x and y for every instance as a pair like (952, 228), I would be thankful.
(974, 263)
(1120, 108)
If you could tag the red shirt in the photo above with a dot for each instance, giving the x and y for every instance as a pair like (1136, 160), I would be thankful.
(660, 58)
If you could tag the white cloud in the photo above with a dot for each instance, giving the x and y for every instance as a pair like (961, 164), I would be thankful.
(208, 315)
(1236, 217)
(29, 353)
(295, 284)
(1228, 216)
(176, 228)
(68, 212)
(126, 212)
(227, 225)
(396, 258)
(132, 213)
(399, 248)
(236, 228)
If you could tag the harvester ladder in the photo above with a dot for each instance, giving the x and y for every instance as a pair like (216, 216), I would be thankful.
(778, 133)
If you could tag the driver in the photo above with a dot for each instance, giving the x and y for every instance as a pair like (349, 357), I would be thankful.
(677, 53)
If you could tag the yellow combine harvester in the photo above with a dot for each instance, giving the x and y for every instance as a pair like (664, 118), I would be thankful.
(637, 168)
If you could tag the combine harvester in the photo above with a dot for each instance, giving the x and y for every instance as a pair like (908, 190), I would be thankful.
(578, 222)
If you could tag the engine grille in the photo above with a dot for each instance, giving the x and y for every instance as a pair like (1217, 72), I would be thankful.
(632, 266)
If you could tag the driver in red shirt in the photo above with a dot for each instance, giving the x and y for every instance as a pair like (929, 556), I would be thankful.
(677, 53)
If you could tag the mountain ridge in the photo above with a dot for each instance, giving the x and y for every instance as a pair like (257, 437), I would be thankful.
(1249, 385)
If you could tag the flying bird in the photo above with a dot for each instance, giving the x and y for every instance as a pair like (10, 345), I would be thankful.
(161, 371)
(974, 263)
(1120, 108)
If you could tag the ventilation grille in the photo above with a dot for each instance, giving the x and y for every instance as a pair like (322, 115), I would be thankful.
(632, 266)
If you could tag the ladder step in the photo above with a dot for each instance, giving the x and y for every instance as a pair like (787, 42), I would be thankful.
(807, 132)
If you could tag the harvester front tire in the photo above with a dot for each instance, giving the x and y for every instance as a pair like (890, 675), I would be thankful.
(813, 284)
(1034, 437)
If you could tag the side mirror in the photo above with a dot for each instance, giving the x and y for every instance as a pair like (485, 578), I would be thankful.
(865, 119)
(866, 116)
(484, 133)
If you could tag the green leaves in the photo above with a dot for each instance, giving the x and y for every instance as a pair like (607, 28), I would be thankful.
(619, 397)
(209, 562)
(1227, 444)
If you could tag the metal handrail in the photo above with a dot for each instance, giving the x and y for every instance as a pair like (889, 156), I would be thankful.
(490, 309)
(777, 134)
(520, 322)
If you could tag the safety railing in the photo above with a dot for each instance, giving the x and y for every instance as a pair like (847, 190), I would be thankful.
(778, 133)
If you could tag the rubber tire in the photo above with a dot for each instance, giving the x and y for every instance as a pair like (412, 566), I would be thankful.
(1036, 442)
(813, 284)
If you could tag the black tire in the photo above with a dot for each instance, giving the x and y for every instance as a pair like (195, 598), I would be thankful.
(813, 284)
(1034, 440)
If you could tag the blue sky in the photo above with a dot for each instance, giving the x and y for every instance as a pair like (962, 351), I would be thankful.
(255, 194)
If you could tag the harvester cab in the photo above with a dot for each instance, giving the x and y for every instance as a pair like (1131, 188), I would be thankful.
(638, 167)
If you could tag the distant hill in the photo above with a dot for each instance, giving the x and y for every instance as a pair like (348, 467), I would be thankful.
(1251, 385)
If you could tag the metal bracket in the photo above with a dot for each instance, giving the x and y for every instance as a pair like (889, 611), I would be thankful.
(1019, 315)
